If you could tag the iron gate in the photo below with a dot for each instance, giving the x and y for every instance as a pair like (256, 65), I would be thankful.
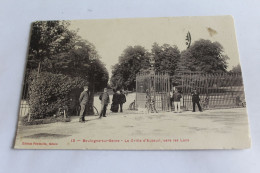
(218, 90)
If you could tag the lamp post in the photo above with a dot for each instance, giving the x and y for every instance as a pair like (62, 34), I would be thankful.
(152, 70)
(152, 63)
(152, 75)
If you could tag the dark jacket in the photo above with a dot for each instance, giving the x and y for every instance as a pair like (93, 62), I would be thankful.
(177, 97)
(195, 97)
(116, 98)
(84, 98)
(104, 97)
(122, 98)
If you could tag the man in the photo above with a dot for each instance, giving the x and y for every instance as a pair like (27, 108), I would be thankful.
(104, 97)
(171, 98)
(122, 100)
(177, 101)
(196, 100)
(83, 100)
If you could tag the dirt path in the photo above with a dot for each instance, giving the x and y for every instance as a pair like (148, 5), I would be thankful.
(226, 126)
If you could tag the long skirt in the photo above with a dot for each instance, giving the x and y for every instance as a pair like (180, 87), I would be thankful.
(114, 107)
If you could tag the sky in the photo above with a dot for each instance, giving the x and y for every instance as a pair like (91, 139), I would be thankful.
(112, 36)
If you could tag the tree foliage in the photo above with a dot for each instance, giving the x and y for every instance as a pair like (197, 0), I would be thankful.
(81, 61)
(49, 38)
(236, 69)
(62, 61)
(57, 49)
(166, 58)
(48, 92)
(205, 56)
(136, 59)
(130, 63)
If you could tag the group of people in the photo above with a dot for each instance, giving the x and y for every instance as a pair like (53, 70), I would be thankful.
(175, 98)
(118, 99)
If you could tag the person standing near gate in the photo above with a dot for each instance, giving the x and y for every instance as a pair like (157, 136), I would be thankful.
(196, 100)
(177, 101)
(83, 100)
(122, 100)
(104, 97)
(171, 98)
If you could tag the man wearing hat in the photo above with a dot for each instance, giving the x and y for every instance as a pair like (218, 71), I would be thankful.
(104, 98)
(195, 100)
(83, 100)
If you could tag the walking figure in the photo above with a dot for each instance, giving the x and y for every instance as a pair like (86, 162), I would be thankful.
(104, 97)
(84, 101)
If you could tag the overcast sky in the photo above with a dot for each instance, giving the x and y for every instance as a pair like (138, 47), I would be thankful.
(112, 36)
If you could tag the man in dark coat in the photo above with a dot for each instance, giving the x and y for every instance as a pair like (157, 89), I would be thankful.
(83, 100)
(104, 97)
(122, 100)
(195, 100)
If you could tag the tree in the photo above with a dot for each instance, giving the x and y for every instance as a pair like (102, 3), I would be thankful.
(166, 58)
(49, 38)
(236, 69)
(205, 56)
(56, 49)
(60, 52)
(130, 63)
(81, 61)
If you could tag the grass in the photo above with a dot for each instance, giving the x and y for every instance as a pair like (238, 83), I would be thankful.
(46, 120)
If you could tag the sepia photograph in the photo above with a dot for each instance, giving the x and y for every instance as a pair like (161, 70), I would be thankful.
(168, 83)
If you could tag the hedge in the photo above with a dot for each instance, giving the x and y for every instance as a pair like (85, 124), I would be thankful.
(48, 92)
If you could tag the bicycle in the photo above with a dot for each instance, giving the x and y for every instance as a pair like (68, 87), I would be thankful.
(132, 106)
(150, 106)
(95, 110)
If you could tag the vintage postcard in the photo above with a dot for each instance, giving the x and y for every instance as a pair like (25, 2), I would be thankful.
(133, 84)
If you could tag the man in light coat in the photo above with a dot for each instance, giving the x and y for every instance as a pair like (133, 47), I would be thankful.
(104, 97)
(84, 101)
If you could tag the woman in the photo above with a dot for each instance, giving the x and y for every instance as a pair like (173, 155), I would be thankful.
(115, 101)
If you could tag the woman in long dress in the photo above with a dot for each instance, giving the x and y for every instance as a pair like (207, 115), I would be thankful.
(115, 101)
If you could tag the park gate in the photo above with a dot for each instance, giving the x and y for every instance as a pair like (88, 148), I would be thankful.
(218, 90)
(159, 87)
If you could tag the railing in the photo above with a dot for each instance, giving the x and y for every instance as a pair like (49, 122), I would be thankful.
(219, 90)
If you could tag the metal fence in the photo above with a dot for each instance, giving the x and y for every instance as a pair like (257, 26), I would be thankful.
(158, 86)
(219, 90)
(24, 108)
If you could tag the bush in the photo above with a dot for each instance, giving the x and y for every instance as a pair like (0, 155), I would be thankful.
(48, 92)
